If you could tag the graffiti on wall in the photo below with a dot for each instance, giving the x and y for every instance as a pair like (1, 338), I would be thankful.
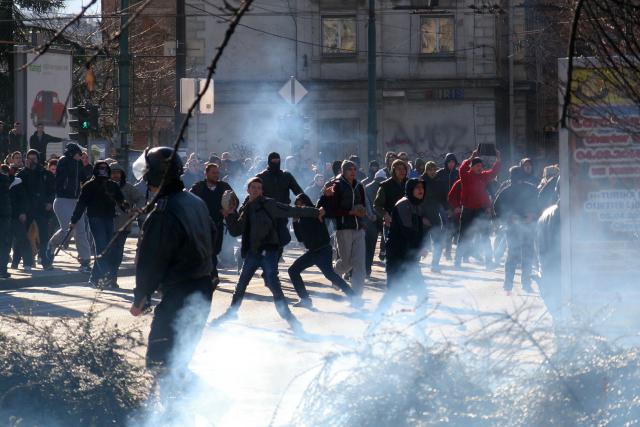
(429, 141)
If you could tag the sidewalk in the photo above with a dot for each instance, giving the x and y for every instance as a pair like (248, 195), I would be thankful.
(65, 270)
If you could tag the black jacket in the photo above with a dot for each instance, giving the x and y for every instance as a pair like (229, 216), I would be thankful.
(406, 233)
(38, 186)
(40, 144)
(345, 197)
(213, 199)
(277, 184)
(435, 199)
(448, 177)
(4, 145)
(312, 233)
(176, 245)
(5, 197)
(17, 198)
(69, 177)
(257, 223)
(99, 197)
(517, 202)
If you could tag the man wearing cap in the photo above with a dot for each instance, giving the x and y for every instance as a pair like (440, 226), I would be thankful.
(69, 177)
(476, 204)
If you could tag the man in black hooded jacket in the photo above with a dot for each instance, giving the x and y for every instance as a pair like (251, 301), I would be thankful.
(99, 197)
(448, 176)
(39, 190)
(69, 177)
(276, 184)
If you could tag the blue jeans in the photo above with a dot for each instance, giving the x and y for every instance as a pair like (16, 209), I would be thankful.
(102, 231)
(268, 261)
(322, 259)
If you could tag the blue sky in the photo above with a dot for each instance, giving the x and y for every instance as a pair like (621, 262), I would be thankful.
(74, 6)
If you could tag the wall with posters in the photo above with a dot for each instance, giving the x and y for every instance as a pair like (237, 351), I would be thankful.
(43, 92)
(600, 195)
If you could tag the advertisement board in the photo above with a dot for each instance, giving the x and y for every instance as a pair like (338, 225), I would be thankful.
(43, 91)
(600, 192)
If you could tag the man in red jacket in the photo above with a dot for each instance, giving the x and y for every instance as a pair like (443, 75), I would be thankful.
(476, 204)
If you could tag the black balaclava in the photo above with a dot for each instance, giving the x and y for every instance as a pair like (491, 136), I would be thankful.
(408, 190)
(101, 170)
(271, 165)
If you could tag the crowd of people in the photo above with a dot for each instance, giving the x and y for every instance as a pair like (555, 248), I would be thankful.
(46, 201)
(342, 215)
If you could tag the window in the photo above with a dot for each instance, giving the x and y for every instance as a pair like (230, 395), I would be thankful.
(437, 35)
(339, 35)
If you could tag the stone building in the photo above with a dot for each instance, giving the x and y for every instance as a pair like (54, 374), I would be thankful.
(441, 68)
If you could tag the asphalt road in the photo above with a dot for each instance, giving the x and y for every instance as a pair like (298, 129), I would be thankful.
(252, 365)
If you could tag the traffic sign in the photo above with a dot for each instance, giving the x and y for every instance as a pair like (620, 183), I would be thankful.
(293, 91)
(189, 89)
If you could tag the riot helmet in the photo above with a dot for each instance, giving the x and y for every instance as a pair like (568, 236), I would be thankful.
(159, 164)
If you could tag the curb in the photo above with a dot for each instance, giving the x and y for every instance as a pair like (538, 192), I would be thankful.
(59, 278)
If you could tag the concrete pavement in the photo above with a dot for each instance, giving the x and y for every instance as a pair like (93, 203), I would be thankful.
(65, 269)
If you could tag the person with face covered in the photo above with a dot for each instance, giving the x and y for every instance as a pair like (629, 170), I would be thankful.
(175, 257)
(99, 197)
(39, 189)
(277, 184)
(404, 246)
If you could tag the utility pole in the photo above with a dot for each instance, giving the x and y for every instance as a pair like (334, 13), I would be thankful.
(512, 52)
(123, 81)
(372, 117)
(181, 57)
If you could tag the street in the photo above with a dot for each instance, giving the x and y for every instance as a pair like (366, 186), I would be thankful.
(255, 364)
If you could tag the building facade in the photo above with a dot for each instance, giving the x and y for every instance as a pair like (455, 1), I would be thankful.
(442, 78)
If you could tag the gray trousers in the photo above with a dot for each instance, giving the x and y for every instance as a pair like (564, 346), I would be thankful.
(352, 250)
(63, 208)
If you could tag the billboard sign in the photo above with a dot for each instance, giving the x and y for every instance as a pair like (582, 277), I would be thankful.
(600, 191)
(43, 91)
